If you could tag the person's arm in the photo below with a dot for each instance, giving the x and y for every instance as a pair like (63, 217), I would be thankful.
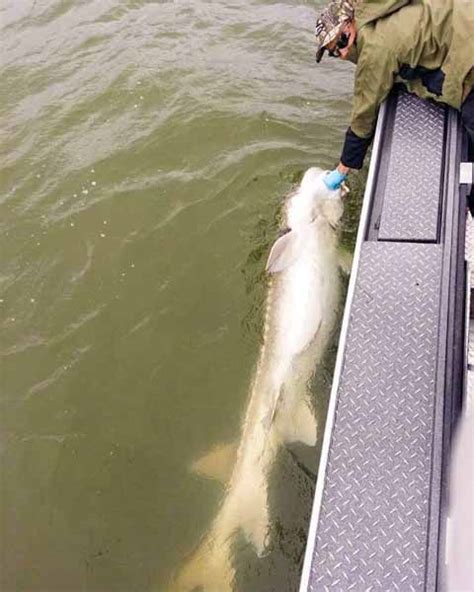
(354, 149)
(353, 155)
(376, 69)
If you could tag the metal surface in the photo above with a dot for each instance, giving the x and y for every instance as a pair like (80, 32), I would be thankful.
(466, 173)
(411, 194)
(377, 520)
(362, 232)
(377, 489)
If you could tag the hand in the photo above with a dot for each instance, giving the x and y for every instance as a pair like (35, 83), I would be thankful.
(334, 179)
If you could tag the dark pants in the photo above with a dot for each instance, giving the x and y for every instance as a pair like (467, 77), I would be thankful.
(467, 116)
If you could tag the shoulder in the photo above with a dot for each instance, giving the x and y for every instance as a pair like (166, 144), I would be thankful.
(373, 53)
(369, 11)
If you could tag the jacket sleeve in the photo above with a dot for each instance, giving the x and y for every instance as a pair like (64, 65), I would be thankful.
(374, 78)
(354, 150)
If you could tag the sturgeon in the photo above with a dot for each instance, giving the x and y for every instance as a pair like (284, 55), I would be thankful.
(301, 311)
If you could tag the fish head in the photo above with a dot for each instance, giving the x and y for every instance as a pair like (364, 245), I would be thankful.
(313, 199)
(311, 203)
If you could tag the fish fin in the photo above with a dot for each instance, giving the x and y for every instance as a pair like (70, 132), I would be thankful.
(283, 253)
(345, 261)
(218, 464)
(300, 426)
(253, 513)
(257, 532)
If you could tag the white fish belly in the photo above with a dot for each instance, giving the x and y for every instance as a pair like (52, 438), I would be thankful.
(308, 298)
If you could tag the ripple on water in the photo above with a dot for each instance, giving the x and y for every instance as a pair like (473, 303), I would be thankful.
(181, 125)
(55, 376)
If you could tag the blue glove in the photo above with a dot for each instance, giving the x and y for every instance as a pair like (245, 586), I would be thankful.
(334, 179)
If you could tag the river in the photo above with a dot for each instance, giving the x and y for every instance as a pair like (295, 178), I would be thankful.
(146, 150)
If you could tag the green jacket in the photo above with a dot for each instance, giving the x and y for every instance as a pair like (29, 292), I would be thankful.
(427, 44)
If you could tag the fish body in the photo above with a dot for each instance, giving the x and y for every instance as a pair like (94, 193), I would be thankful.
(301, 312)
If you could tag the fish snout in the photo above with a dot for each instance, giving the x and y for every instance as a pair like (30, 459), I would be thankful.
(310, 178)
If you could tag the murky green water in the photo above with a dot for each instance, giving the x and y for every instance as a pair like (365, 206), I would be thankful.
(146, 149)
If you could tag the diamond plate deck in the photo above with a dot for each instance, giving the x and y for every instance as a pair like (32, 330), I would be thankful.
(375, 504)
(412, 191)
(378, 519)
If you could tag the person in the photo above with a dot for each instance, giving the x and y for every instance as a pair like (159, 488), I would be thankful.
(426, 44)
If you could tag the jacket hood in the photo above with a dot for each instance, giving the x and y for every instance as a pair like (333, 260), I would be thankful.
(368, 11)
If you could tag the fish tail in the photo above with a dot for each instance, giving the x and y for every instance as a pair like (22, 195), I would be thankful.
(209, 568)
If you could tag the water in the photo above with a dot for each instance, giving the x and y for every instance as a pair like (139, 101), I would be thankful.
(146, 149)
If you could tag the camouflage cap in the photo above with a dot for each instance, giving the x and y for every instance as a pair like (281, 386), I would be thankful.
(329, 23)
